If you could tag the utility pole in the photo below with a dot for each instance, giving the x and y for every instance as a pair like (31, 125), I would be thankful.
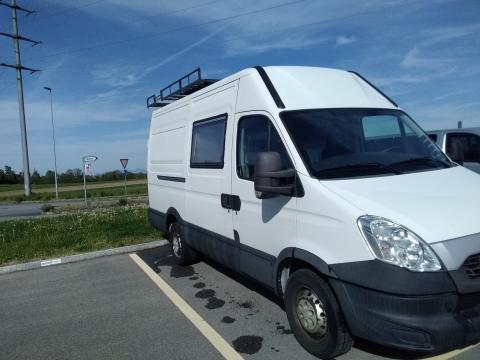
(18, 67)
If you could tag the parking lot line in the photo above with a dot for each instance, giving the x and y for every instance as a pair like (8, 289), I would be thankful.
(452, 354)
(213, 336)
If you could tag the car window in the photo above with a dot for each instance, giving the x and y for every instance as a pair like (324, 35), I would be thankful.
(257, 134)
(470, 144)
(433, 137)
(208, 141)
(380, 127)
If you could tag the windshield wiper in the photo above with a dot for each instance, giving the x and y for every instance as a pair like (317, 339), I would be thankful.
(363, 166)
(423, 161)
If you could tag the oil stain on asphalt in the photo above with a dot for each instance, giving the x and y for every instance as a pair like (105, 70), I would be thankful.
(248, 344)
(228, 320)
(283, 331)
(212, 301)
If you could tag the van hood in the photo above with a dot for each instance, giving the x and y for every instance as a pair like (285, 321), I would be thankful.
(437, 205)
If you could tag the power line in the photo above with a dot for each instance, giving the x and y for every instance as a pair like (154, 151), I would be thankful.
(214, 21)
(45, 15)
(18, 68)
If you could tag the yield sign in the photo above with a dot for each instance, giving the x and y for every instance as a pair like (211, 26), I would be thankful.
(124, 162)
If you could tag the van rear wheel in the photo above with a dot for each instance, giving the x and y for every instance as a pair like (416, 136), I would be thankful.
(315, 316)
(182, 253)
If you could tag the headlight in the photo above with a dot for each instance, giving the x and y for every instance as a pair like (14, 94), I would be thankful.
(397, 245)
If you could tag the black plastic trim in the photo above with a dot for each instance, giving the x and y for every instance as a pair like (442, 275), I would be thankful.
(373, 86)
(464, 283)
(429, 323)
(171, 178)
(157, 219)
(271, 89)
(217, 165)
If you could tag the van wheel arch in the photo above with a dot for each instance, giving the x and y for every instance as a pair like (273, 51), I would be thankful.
(172, 216)
(293, 259)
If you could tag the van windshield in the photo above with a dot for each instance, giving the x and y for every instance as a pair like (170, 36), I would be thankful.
(344, 143)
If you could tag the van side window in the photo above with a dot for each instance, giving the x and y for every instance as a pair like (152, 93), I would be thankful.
(208, 143)
(257, 134)
(470, 144)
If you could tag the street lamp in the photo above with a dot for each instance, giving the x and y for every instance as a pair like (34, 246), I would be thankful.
(53, 135)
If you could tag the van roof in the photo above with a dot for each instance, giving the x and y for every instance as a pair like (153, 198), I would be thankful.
(303, 87)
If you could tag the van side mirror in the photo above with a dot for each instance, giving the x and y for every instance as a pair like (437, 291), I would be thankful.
(456, 152)
(269, 178)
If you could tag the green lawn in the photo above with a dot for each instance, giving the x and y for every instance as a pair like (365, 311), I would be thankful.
(11, 187)
(50, 237)
(132, 190)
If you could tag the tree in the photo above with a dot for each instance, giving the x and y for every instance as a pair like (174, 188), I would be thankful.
(10, 176)
(49, 177)
(35, 178)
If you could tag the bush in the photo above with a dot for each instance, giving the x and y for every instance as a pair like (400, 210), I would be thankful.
(19, 198)
(47, 208)
(122, 202)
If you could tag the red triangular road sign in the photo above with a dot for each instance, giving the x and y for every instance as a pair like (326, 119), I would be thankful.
(124, 162)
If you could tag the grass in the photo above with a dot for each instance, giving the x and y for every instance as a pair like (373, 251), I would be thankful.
(50, 237)
(13, 187)
(132, 190)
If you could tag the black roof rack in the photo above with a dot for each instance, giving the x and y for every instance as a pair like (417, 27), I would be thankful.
(180, 88)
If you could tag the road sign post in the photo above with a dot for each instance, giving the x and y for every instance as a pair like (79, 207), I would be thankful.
(124, 163)
(87, 165)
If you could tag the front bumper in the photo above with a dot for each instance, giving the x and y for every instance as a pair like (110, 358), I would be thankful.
(428, 323)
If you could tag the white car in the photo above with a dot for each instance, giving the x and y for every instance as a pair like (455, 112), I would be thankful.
(467, 141)
(316, 184)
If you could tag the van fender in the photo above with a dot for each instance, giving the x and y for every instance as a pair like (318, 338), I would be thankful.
(285, 259)
(172, 212)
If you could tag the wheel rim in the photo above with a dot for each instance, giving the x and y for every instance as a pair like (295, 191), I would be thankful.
(176, 244)
(311, 312)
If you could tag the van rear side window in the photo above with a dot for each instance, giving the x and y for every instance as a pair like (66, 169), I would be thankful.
(208, 143)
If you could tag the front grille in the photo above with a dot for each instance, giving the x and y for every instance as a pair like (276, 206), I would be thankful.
(471, 266)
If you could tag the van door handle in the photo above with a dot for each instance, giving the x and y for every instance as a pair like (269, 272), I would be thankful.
(230, 202)
(225, 201)
(235, 202)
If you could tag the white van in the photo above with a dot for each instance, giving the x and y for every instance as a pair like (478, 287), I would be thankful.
(316, 184)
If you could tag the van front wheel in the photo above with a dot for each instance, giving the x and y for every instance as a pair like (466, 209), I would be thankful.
(182, 253)
(315, 316)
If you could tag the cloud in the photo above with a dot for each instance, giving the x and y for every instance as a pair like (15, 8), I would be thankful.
(67, 115)
(294, 42)
(120, 77)
(427, 53)
(345, 40)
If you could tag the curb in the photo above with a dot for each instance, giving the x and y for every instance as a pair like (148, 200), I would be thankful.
(81, 257)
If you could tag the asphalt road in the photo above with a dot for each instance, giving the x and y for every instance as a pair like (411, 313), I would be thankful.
(12, 211)
(109, 308)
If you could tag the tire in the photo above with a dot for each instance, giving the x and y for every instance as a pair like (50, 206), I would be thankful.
(315, 316)
(182, 253)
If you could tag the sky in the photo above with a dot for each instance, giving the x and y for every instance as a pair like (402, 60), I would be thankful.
(103, 58)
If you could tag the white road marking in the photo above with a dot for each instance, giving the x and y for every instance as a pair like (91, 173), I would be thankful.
(50, 262)
(451, 354)
(214, 337)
